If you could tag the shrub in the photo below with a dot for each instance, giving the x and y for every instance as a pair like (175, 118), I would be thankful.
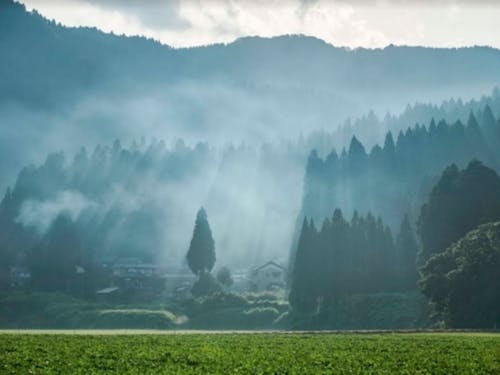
(228, 318)
(223, 300)
(206, 285)
(224, 276)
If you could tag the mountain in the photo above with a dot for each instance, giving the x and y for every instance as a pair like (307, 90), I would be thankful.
(62, 84)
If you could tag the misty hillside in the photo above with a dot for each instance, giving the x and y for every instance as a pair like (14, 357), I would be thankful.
(371, 129)
(60, 84)
(139, 200)
(394, 178)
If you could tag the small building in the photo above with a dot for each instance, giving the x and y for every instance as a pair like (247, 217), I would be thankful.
(268, 276)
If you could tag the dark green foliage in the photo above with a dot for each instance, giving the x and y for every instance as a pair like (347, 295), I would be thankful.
(235, 318)
(224, 276)
(59, 311)
(205, 285)
(394, 179)
(304, 289)
(340, 260)
(201, 253)
(221, 300)
(407, 250)
(234, 311)
(367, 311)
(463, 282)
(54, 261)
(459, 202)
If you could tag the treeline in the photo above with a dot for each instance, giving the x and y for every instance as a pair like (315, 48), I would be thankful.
(451, 261)
(137, 200)
(350, 257)
(371, 129)
(110, 195)
(460, 254)
(459, 202)
(394, 179)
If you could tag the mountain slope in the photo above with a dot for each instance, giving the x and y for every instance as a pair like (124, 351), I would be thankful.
(60, 84)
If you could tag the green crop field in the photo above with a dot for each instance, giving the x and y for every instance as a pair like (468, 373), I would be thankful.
(258, 353)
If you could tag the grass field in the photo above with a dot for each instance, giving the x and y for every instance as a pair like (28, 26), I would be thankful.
(259, 353)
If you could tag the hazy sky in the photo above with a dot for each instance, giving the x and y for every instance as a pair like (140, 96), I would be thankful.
(364, 23)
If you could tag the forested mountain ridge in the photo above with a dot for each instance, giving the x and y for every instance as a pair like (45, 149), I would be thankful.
(393, 180)
(370, 128)
(289, 60)
(138, 200)
(62, 84)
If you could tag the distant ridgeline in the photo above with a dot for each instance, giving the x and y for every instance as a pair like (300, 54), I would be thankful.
(393, 180)
(370, 129)
(81, 85)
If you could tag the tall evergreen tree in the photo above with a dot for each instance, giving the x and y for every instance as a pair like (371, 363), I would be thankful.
(54, 259)
(459, 202)
(201, 253)
(302, 292)
(340, 260)
(407, 249)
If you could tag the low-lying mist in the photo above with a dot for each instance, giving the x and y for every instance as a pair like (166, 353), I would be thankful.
(141, 201)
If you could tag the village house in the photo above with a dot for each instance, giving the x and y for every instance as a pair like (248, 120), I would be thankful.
(268, 276)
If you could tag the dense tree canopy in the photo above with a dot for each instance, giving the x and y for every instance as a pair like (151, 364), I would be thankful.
(224, 276)
(393, 180)
(407, 250)
(54, 260)
(463, 282)
(460, 201)
(111, 193)
(345, 258)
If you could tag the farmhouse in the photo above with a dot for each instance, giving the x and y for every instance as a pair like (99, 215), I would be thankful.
(268, 276)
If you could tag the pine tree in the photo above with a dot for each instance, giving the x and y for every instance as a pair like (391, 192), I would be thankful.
(302, 295)
(407, 249)
(357, 156)
(434, 226)
(459, 202)
(201, 253)
(54, 259)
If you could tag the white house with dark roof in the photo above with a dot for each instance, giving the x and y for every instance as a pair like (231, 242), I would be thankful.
(268, 276)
